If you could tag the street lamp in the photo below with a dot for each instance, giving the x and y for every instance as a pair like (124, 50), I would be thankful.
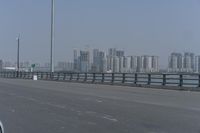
(18, 45)
(52, 36)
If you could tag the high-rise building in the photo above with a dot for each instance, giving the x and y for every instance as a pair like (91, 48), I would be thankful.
(147, 63)
(120, 53)
(179, 63)
(134, 63)
(155, 65)
(189, 62)
(102, 62)
(76, 60)
(110, 63)
(127, 64)
(197, 64)
(116, 64)
(114, 61)
(99, 61)
(96, 60)
(112, 52)
(84, 61)
(121, 64)
(139, 64)
(175, 62)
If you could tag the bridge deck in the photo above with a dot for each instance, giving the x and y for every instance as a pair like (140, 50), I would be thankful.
(55, 107)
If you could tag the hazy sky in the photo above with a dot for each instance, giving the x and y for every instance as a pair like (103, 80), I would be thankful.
(156, 27)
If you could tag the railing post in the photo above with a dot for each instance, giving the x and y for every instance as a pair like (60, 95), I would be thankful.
(64, 76)
(78, 76)
(123, 78)
(149, 79)
(113, 77)
(180, 80)
(103, 77)
(85, 77)
(30, 75)
(136, 78)
(71, 76)
(199, 81)
(42, 75)
(53, 74)
(58, 76)
(164, 80)
(50, 75)
(47, 76)
(17, 74)
(94, 77)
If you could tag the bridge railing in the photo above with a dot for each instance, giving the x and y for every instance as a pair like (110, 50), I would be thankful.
(161, 79)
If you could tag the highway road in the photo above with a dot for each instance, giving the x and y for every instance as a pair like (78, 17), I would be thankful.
(28, 106)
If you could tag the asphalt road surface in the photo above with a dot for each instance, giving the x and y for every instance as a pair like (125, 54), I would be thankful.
(56, 107)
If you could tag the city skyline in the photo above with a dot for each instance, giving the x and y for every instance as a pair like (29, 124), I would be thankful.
(90, 50)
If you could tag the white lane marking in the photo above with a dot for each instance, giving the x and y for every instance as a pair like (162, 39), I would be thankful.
(99, 101)
(110, 119)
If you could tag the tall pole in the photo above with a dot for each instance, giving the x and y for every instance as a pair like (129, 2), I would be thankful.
(52, 35)
(18, 45)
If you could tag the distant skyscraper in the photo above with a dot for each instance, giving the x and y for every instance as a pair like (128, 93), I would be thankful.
(112, 52)
(179, 63)
(147, 63)
(155, 65)
(84, 61)
(120, 53)
(76, 60)
(127, 64)
(116, 64)
(121, 64)
(175, 62)
(197, 64)
(139, 64)
(99, 61)
(115, 61)
(109, 63)
(96, 60)
(102, 62)
(189, 62)
(134, 63)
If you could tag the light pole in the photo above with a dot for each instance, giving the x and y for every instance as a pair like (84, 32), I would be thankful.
(52, 35)
(18, 45)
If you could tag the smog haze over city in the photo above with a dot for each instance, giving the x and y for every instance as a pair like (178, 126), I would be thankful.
(139, 27)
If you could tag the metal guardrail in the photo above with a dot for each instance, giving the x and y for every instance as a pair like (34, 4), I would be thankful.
(160, 79)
